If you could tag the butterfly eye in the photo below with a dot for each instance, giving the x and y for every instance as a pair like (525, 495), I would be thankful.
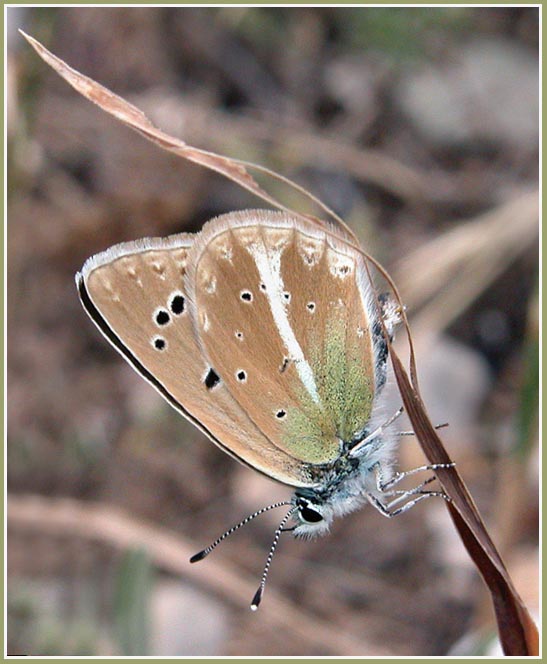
(310, 515)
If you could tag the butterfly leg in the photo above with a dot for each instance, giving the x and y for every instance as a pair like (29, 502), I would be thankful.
(386, 509)
(418, 490)
(406, 492)
(383, 485)
(386, 488)
(412, 433)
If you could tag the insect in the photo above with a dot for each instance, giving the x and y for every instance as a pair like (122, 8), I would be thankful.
(265, 332)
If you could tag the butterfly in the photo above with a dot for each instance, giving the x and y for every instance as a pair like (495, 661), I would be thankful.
(265, 331)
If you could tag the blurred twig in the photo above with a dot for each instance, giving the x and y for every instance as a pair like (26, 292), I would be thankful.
(99, 522)
(299, 144)
(443, 277)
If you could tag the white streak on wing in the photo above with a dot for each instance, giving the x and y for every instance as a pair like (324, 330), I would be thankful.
(269, 268)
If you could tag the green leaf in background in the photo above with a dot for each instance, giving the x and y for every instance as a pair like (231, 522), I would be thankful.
(132, 602)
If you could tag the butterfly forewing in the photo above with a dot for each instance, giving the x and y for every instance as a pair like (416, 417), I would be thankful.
(136, 295)
(281, 314)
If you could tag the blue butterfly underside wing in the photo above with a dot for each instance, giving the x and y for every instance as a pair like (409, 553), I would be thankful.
(258, 330)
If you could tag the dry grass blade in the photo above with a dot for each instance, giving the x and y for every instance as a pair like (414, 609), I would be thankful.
(135, 118)
(517, 631)
(235, 170)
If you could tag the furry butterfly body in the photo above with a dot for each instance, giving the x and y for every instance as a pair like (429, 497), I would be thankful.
(264, 331)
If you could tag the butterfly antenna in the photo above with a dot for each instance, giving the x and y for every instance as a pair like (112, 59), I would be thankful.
(201, 555)
(258, 595)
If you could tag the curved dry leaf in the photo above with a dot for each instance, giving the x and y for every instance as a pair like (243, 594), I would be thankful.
(233, 169)
(133, 117)
(517, 631)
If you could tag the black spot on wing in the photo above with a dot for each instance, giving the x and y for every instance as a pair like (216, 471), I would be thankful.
(212, 379)
(177, 304)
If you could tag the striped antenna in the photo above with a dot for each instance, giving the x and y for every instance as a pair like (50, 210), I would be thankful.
(201, 555)
(258, 595)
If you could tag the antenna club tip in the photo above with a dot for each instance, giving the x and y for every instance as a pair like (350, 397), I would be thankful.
(199, 556)
(256, 600)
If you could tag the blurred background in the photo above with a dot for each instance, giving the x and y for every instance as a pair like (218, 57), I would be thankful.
(419, 126)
